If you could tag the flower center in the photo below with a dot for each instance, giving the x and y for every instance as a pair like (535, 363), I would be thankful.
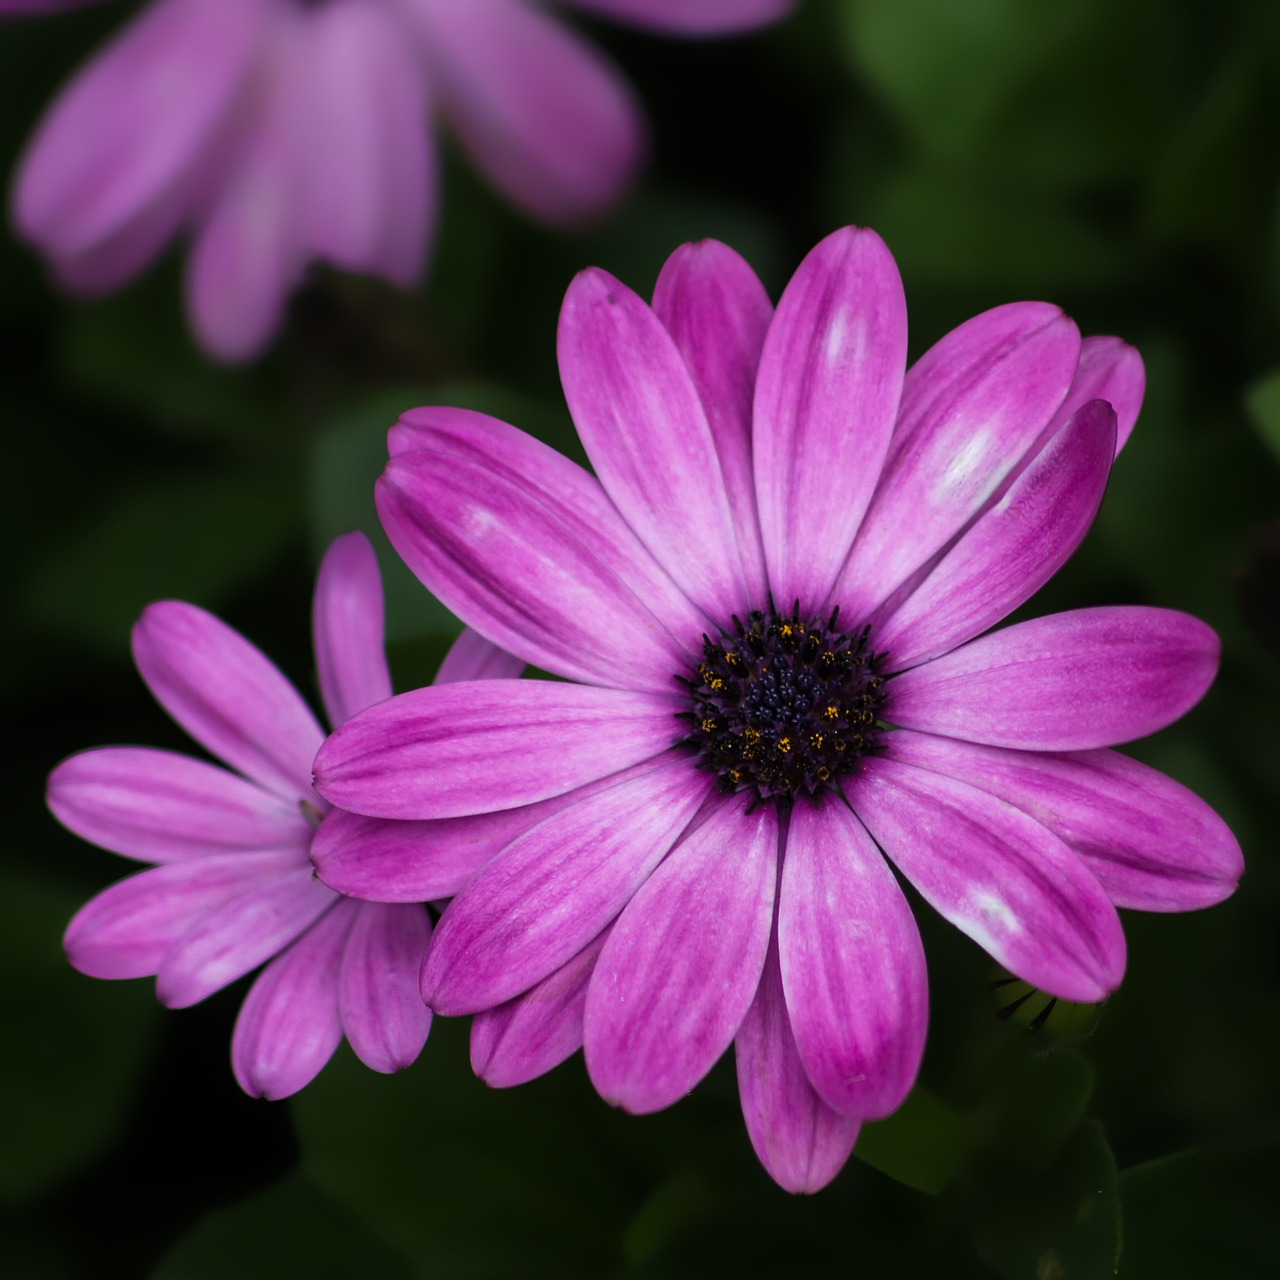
(782, 706)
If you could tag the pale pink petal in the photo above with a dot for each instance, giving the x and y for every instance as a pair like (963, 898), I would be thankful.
(162, 807)
(997, 875)
(682, 964)
(228, 696)
(554, 888)
(239, 935)
(378, 998)
(1152, 844)
(852, 964)
(472, 657)
(802, 1142)
(717, 311)
(524, 546)
(971, 409)
(1013, 548)
(528, 1036)
(641, 422)
(454, 749)
(289, 1026)
(830, 376)
(690, 17)
(126, 931)
(1066, 682)
(347, 619)
(549, 121)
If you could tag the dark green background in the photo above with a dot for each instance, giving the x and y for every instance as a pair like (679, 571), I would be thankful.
(1119, 157)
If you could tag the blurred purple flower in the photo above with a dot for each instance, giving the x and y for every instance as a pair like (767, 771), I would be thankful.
(235, 886)
(768, 614)
(281, 131)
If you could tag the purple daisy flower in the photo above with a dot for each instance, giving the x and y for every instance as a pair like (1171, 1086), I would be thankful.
(770, 614)
(234, 885)
(276, 132)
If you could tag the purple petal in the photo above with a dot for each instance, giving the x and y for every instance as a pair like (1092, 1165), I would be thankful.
(162, 807)
(524, 546)
(289, 1026)
(556, 887)
(472, 657)
(138, 125)
(717, 311)
(800, 1140)
(682, 964)
(347, 619)
(528, 1036)
(545, 117)
(1066, 682)
(971, 408)
(997, 875)
(1109, 370)
(852, 964)
(239, 935)
(826, 398)
(228, 696)
(450, 750)
(369, 153)
(378, 998)
(126, 931)
(690, 17)
(1013, 548)
(1152, 844)
(644, 430)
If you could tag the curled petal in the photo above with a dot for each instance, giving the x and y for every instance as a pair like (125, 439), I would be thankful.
(1111, 370)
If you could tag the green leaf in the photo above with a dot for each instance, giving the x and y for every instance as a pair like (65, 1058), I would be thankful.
(1262, 400)
(1035, 1101)
(922, 1144)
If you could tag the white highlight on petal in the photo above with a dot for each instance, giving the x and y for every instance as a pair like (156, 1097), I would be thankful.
(993, 919)
(967, 461)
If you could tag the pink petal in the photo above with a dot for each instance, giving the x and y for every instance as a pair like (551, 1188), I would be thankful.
(690, 17)
(1066, 682)
(347, 619)
(852, 964)
(472, 657)
(138, 128)
(1013, 548)
(1152, 844)
(368, 153)
(378, 998)
(228, 696)
(800, 1140)
(830, 377)
(524, 546)
(547, 118)
(641, 422)
(682, 964)
(971, 409)
(289, 1026)
(717, 311)
(528, 1036)
(454, 749)
(162, 807)
(126, 931)
(239, 935)
(997, 875)
(1109, 370)
(556, 887)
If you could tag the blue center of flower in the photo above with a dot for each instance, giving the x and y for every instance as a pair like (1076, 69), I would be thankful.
(782, 706)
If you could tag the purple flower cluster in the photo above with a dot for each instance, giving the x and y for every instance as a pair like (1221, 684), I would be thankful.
(769, 611)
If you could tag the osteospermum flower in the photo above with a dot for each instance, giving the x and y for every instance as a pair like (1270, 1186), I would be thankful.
(770, 614)
(280, 131)
(235, 886)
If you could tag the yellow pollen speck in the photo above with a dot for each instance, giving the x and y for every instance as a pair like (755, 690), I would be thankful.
(709, 724)
(732, 658)
(786, 630)
(751, 735)
(831, 713)
(784, 745)
(716, 683)
(816, 741)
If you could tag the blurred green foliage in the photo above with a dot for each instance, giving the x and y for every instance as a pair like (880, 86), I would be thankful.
(1120, 158)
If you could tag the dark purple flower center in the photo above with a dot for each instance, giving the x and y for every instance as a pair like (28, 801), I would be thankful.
(782, 706)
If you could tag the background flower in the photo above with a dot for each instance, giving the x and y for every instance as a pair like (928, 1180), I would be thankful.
(277, 132)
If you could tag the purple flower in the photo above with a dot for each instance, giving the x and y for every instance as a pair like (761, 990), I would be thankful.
(234, 884)
(764, 615)
(276, 132)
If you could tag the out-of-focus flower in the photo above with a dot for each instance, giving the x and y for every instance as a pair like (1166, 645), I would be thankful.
(768, 616)
(235, 885)
(276, 132)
